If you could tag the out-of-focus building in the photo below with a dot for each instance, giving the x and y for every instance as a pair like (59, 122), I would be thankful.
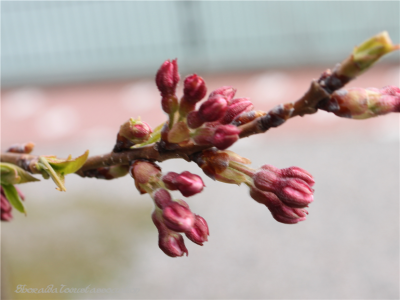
(59, 42)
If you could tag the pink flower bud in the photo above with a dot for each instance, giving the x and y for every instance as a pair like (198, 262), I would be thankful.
(235, 108)
(178, 217)
(199, 232)
(225, 136)
(291, 185)
(194, 120)
(144, 172)
(360, 103)
(135, 131)
(171, 243)
(167, 77)
(6, 208)
(162, 198)
(169, 180)
(187, 183)
(203, 136)
(227, 92)
(194, 88)
(213, 109)
(279, 210)
(6, 214)
(169, 104)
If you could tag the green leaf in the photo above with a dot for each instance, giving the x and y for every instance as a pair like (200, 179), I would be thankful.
(68, 166)
(57, 168)
(12, 174)
(13, 197)
(56, 176)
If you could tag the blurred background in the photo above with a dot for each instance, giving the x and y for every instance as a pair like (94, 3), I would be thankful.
(73, 72)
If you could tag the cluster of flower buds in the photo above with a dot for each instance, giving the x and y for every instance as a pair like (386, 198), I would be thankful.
(359, 103)
(6, 208)
(171, 217)
(213, 123)
(285, 192)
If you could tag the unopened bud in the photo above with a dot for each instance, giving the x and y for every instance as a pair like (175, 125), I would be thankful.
(215, 164)
(178, 217)
(194, 88)
(162, 198)
(199, 232)
(144, 172)
(135, 131)
(203, 136)
(171, 243)
(292, 185)
(6, 208)
(187, 183)
(359, 103)
(167, 77)
(21, 148)
(169, 104)
(178, 133)
(279, 210)
(366, 54)
(235, 108)
(194, 120)
(213, 109)
(227, 92)
(225, 136)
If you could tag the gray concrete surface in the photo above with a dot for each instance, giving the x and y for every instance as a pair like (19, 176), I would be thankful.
(100, 233)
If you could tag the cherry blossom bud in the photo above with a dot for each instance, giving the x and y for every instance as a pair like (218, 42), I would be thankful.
(178, 133)
(135, 131)
(6, 214)
(213, 109)
(235, 108)
(169, 180)
(167, 77)
(292, 185)
(6, 208)
(178, 217)
(187, 183)
(21, 148)
(199, 232)
(359, 103)
(279, 210)
(144, 172)
(194, 88)
(194, 120)
(227, 92)
(169, 104)
(216, 165)
(204, 136)
(170, 242)
(366, 54)
(225, 136)
(162, 198)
